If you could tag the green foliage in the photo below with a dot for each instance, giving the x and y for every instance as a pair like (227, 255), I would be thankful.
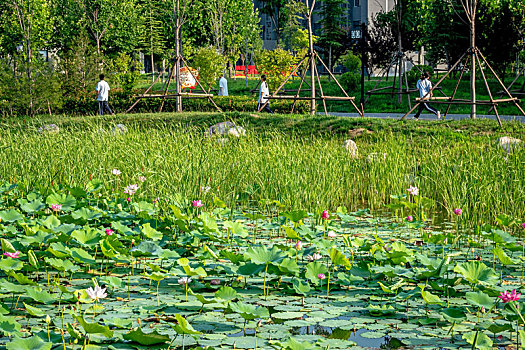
(210, 65)
(276, 65)
(350, 81)
(126, 72)
(351, 62)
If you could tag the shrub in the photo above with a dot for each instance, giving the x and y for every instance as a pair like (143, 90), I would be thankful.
(209, 63)
(127, 72)
(276, 65)
(350, 81)
(414, 73)
(351, 62)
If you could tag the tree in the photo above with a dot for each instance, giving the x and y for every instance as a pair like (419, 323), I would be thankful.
(276, 65)
(152, 31)
(295, 38)
(210, 64)
(273, 9)
(333, 37)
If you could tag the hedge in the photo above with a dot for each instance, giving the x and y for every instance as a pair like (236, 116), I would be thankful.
(120, 102)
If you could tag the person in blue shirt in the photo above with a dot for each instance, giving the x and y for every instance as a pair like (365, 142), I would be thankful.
(424, 86)
(223, 86)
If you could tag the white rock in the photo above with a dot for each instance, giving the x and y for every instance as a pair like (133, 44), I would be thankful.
(237, 131)
(49, 129)
(118, 129)
(509, 143)
(374, 156)
(226, 129)
(351, 147)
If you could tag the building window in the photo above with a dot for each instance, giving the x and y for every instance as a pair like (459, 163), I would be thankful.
(357, 3)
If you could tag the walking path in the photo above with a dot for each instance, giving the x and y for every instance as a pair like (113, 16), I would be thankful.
(395, 115)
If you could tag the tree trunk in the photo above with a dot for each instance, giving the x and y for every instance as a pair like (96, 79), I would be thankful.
(178, 98)
(473, 67)
(312, 61)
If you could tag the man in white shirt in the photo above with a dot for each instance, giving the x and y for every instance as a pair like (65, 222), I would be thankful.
(264, 92)
(102, 96)
(223, 86)
(424, 86)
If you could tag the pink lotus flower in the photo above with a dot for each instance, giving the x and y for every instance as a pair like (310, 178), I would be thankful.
(56, 207)
(500, 337)
(321, 276)
(131, 189)
(109, 231)
(445, 241)
(116, 172)
(410, 218)
(12, 255)
(523, 225)
(387, 248)
(197, 203)
(299, 245)
(413, 190)
(128, 199)
(509, 296)
(458, 211)
(325, 215)
(332, 234)
(142, 178)
(215, 282)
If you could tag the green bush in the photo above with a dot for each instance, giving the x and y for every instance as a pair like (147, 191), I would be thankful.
(351, 62)
(120, 101)
(414, 73)
(350, 81)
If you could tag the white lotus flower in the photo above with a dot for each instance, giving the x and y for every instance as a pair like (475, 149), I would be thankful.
(96, 293)
(184, 280)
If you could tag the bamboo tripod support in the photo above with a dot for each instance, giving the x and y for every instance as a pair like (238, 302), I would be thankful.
(175, 71)
(474, 59)
(312, 57)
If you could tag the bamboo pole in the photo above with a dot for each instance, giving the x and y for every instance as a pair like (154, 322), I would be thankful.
(489, 92)
(300, 85)
(321, 89)
(456, 88)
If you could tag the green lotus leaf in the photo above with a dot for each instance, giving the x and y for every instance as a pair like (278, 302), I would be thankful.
(10, 264)
(183, 326)
(430, 298)
(11, 216)
(338, 258)
(301, 287)
(454, 315)
(151, 233)
(85, 214)
(138, 336)
(86, 236)
(295, 216)
(31, 207)
(248, 311)
(67, 201)
(313, 269)
(226, 293)
(503, 257)
(39, 295)
(480, 299)
(9, 325)
(34, 311)
(237, 228)
(478, 340)
(94, 328)
(289, 266)
(32, 343)
(263, 255)
(476, 272)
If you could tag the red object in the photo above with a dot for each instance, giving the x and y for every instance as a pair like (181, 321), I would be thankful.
(242, 70)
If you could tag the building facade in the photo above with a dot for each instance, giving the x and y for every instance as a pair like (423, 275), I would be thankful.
(356, 12)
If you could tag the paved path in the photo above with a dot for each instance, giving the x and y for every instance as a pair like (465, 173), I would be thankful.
(427, 116)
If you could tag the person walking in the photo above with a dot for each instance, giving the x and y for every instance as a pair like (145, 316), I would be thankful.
(264, 92)
(102, 96)
(424, 86)
(223, 86)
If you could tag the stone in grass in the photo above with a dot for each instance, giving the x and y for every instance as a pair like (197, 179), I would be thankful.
(509, 143)
(374, 156)
(118, 129)
(49, 129)
(351, 147)
(226, 129)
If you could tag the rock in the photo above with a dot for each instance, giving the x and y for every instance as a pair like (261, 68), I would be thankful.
(374, 156)
(351, 147)
(226, 129)
(118, 129)
(358, 132)
(48, 129)
(509, 143)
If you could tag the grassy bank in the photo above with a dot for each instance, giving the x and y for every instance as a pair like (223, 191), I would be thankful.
(298, 161)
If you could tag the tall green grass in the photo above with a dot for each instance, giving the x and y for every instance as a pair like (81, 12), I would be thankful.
(306, 172)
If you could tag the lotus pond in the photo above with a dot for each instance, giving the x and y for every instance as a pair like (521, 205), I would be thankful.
(84, 268)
